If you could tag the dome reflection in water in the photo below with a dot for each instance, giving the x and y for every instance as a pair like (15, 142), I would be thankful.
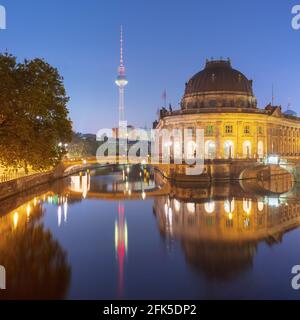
(124, 232)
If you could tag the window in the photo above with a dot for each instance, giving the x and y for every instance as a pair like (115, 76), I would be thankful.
(247, 149)
(210, 207)
(209, 130)
(229, 206)
(191, 131)
(210, 149)
(228, 149)
(212, 103)
(247, 130)
(228, 129)
(260, 149)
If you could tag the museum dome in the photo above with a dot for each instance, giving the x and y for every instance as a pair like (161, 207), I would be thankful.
(219, 85)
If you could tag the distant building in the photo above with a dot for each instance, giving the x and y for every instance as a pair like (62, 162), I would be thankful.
(220, 100)
(130, 132)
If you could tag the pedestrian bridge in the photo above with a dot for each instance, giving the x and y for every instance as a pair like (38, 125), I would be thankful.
(213, 170)
(105, 185)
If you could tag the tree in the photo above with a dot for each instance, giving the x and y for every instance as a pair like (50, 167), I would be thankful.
(83, 145)
(33, 114)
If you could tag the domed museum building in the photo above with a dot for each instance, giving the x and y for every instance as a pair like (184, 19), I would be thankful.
(220, 100)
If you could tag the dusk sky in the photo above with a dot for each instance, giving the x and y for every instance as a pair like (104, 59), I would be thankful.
(166, 42)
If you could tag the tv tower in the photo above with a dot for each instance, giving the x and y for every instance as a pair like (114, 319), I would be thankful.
(121, 82)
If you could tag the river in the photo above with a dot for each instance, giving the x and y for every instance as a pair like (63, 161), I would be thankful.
(124, 233)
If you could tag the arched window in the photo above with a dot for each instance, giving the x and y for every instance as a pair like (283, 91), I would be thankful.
(177, 150)
(191, 207)
(210, 149)
(247, 205)
(209, 207)
(228, 149)
(260, 206)
(260, 149)
(191, 149)
(229, 206)
(247, 149)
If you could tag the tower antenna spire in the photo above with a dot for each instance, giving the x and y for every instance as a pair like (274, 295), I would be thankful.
(121, 81)
(121, 47)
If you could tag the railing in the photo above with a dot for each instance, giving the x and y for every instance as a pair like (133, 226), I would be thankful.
(4, 177)
(9, 176)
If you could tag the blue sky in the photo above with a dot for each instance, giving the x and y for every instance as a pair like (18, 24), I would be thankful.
(167, 41)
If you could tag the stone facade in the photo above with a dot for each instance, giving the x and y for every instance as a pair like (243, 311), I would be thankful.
(240, 134)
(233, 125)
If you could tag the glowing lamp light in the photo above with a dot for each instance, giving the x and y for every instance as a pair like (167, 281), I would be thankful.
(59, 213)
(116, 235)
(191, 207)
(166, 209)
(247, 204)
(260, 205)
(28, 210)
(247, 223)
(273, 202)
(16, 219)
(229, 206)
(66, 211)
(210, 207)
(177, 205)
(273, 159)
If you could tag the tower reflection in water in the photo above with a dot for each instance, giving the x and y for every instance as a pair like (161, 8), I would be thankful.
(121, 244)
(219, 228)
(137, 180)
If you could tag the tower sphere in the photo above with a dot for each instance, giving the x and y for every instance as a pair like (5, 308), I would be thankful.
(121, 81)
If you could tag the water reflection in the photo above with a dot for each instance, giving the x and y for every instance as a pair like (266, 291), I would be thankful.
(123, 179)
(80, 183)
(112, 182)
(121, 245)
(219, 228)
(220, 231)
(36, 265)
